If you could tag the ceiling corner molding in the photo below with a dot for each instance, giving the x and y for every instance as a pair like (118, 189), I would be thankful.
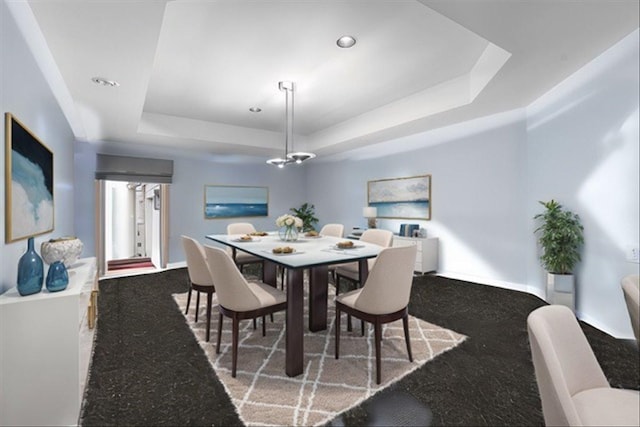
(446, 96)
(30, 30)
(486, 67)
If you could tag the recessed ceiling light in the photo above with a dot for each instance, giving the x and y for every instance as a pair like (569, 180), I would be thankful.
(105, 82)
(255, 109)
(346, 42)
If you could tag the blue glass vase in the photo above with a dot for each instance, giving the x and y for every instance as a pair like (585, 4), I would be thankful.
(30, 271)
(57, 277)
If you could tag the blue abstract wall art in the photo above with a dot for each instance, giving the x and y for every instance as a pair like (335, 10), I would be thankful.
(222, 201)
(406, 198)
(29, 183)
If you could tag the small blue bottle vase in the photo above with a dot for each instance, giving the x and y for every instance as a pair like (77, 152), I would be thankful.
(57, 277)
(30, 271)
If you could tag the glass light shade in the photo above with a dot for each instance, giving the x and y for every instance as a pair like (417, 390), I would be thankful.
(279, 162)
(369, 212)
(300, 156)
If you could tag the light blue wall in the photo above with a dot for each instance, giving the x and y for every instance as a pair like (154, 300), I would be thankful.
(186, 193)
(477, 194)
(25, 93)
(577, 144)
(582, 150)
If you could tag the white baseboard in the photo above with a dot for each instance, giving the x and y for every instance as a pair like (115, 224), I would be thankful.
(540, 293)
(491, 282)
(604, 328)
(174, 265)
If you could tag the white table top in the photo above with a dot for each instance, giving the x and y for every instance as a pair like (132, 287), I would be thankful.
(308, 252)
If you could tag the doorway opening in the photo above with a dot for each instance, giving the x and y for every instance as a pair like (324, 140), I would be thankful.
(131, 227)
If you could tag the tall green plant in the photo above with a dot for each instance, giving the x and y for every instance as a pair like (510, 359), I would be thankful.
(307, 214)
(561, 238)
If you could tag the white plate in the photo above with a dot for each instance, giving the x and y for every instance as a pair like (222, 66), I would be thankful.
(295, 252)
(253, 239)
(336, 247)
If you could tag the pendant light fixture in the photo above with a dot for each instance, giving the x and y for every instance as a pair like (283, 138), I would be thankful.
(294, 157)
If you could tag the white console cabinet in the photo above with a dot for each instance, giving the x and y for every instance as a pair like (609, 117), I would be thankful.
(427, 255)
(43, 354)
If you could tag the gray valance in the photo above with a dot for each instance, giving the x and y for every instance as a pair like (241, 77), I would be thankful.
(124, 168)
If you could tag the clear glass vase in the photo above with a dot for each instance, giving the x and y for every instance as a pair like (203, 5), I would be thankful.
(288, 233)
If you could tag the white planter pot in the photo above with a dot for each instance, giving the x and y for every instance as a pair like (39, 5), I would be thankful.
(561, 290)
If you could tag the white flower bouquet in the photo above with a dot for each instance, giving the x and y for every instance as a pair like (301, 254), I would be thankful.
(289, 221)
(289, 226)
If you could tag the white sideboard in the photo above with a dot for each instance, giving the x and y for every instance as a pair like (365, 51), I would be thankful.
(43, 366)
(427, 255)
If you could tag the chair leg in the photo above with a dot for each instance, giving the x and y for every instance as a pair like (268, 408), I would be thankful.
(271, 317)
(405, 323)
(255, 325)
(378, 333)
(264, 326)
(234, 348)
(197, 305)
(209, 299)
(188, 299)
(220, 319)
(337, 332)
(362, 327)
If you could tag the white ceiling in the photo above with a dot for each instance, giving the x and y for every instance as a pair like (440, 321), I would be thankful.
(190, 69)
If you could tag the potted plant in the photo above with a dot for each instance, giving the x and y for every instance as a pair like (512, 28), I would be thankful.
(561, 238)
(307, 214)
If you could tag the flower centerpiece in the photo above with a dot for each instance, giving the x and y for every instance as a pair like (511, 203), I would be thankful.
(289, 226)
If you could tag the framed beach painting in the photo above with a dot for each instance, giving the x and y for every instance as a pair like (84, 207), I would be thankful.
(402, 198)
(230, 201)
(28, 183)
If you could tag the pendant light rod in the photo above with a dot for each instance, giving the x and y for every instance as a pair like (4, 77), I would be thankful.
(297, 157)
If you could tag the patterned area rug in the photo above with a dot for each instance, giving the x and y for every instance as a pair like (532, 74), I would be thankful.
(264, 395)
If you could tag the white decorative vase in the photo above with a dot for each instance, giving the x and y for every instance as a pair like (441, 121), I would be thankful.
(65, 249)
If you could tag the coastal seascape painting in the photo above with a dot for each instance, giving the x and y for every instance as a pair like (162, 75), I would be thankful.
(222, 201)
(402, 198)
(28, 183)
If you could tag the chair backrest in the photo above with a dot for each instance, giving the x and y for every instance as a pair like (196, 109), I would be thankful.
(196, 262)
(378, 237)
(334, 230)
(563, 361)
(631, 289)
(231, 287)
(240, 228)
(388, 287)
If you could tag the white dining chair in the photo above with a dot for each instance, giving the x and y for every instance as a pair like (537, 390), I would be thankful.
(242, 258)
(384, 297)
(631, 290)
(200, 278)
(240, 299)
(573, 389)
(350, 271)
(333, 230)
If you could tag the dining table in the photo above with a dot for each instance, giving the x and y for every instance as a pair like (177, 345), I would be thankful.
(312, 253)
